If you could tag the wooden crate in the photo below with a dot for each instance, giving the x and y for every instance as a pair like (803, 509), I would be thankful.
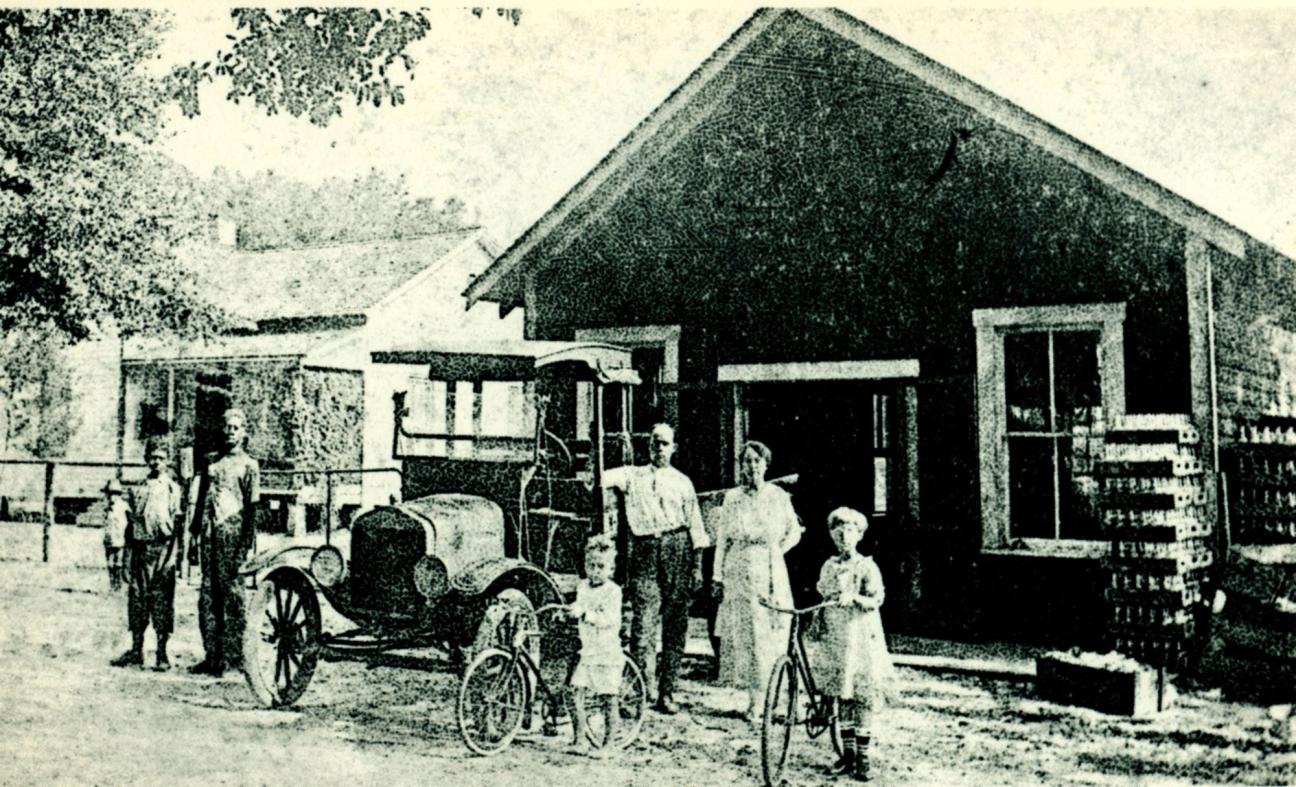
(1123, 692)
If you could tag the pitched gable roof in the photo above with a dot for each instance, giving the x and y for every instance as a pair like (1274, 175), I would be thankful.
(586, 201)
(319, 281)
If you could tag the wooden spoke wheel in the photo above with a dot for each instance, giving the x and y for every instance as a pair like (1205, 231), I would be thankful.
(631, 703)
(507, 612)
(492, 701)
(281, 637)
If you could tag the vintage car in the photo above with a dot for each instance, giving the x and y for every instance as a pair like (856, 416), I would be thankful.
(489, 523)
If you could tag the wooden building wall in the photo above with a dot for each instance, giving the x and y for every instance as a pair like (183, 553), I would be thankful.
(1255, 335)
(827, 206)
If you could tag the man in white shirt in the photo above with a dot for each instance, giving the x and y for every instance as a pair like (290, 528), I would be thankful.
(664, 560)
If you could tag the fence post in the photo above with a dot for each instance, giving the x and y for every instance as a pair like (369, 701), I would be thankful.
(49, 511)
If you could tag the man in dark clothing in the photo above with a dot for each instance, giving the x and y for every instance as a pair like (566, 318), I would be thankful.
(227, 494)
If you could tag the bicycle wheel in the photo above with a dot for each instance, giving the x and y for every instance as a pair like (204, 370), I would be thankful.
(631, 703)
(834, 726)
(492, 701)
(780, 718)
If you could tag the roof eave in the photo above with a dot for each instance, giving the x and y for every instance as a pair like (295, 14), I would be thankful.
(486, 286)
(1038, 132)
(500, 283)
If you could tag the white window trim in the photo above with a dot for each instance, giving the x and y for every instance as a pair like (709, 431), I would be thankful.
(991, 325)
(666, 337)
(817, 370)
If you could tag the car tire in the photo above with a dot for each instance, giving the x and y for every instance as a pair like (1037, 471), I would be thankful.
(281, 638)
(494, 631)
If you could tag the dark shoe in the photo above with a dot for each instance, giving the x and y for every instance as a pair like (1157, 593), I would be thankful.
(861, 771)
(131, 658)
(666, 706)
(163, 663)
(205, 667)
(845, 764)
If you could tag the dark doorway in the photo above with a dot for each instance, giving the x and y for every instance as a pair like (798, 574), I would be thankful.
(840, 438)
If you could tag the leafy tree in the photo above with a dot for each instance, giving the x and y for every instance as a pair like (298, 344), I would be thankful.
(273, 212)
(88, 213)
(36, 414)
(306, 61)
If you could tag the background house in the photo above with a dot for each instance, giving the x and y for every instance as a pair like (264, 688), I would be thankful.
(931, 304)
(301, 369)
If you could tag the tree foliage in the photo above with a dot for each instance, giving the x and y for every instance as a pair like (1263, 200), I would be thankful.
(88, 213)
(304, 61)
(272, 211)
(308, 61)
(36, 414)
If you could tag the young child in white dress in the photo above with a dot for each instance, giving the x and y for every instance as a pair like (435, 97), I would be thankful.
(854, 666)
(116, 523)
(597, 610)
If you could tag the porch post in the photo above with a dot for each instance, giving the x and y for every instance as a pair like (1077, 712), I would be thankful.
(738, 432)
(909, 423)
(1201, 350)
(529, 316)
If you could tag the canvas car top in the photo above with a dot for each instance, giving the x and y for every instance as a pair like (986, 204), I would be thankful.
(466, 359)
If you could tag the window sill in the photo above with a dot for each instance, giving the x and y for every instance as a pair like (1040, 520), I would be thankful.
(1048, 548)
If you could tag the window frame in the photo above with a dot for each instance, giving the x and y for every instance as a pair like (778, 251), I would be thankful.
(663, 337)
(991, 326)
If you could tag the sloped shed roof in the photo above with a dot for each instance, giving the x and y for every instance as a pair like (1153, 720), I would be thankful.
(318, 281)
(259, 346)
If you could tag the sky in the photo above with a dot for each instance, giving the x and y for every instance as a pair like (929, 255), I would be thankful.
(508, 118)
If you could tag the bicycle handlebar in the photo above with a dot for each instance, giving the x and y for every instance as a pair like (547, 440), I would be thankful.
(550, 607)
(764, 602)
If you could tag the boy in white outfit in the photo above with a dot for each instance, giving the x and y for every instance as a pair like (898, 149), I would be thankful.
(597, 610)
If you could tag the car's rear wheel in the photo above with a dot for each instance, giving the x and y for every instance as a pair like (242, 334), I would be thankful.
(493, 701)
(281, 637)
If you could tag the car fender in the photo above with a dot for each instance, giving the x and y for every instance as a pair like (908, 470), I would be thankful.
(262, 563)
(478, 576)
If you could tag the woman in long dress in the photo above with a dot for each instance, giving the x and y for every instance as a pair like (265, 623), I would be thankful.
(756, 527)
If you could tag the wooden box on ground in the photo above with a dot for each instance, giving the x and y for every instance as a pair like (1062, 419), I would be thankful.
(1109, 683)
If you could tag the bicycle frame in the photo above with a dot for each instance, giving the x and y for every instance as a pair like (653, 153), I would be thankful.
(822, 710)
(520, 652)
(521, 680)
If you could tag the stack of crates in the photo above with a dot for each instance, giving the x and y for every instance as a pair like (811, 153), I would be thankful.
(1154, 512)
(1261, 466)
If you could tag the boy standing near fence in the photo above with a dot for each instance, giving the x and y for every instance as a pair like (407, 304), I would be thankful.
(154, 544)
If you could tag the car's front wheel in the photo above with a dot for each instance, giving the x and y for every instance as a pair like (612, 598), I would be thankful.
(281, 638)
(507, 612)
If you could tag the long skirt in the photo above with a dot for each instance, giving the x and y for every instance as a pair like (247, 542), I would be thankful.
(751, 635)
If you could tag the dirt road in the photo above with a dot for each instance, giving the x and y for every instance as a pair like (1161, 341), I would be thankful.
(69, 718)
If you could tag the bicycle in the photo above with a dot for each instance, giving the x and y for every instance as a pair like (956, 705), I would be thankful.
(501, 685)
(784, 709)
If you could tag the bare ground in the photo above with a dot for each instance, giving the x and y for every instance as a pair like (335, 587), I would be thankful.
(69, 718)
